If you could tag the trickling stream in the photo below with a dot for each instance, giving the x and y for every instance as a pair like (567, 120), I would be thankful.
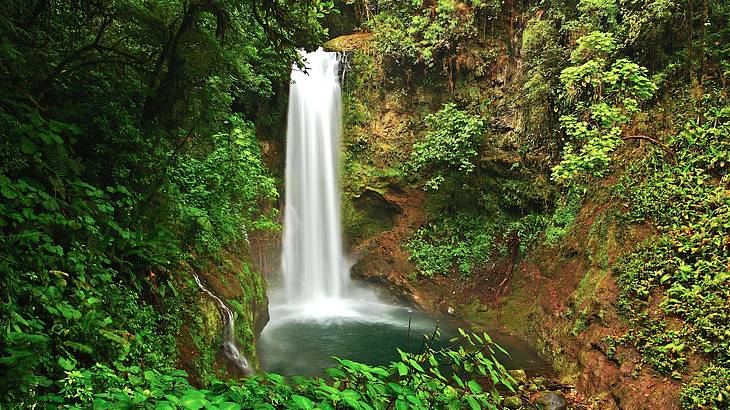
(228, 345)
(320, 312)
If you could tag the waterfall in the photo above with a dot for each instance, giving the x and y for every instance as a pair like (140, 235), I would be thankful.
(313, 264)
(228, 345)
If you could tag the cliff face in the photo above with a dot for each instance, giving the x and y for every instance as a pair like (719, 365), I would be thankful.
(556, 291)
(236, 278)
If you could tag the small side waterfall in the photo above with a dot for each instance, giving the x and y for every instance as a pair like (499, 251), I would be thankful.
(313, 264)
(228, 345)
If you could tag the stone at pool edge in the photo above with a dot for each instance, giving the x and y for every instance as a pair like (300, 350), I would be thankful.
(551, 400)
(519, 375)
(512, 402)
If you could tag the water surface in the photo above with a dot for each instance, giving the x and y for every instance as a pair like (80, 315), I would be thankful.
(301, 340)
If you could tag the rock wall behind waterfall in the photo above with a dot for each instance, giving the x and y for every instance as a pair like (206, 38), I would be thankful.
(561, 297)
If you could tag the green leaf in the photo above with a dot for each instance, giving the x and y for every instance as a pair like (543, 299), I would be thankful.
(193, 401)
(66, 364)
(474, 386)
(473, 403)
(303, 402)
(379, 371)
(8, 192)
(79, 346)
(164, 405)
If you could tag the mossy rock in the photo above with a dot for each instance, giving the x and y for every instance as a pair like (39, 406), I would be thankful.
(512, 402)
(350, 42)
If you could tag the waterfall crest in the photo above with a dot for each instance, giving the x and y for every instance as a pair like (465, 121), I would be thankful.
(313, 264)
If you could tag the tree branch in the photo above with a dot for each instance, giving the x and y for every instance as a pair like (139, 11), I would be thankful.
(45, 85)
(662, 145)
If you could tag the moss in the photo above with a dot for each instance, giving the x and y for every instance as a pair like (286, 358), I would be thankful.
(581, 322)
(602, 240)
(349, 43)
(205, 329)
(514, 314)
(243, 290)
(246, 308)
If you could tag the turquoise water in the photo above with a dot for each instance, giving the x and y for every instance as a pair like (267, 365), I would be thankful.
(302, 340)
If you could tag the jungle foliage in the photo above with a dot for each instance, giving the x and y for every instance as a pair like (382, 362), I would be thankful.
(629, 96)
(128, 155)
(450, 147)
(443, 377)
(687, 266)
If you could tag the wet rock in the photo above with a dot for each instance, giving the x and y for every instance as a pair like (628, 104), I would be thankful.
(376, 214)
(351, 42)
(550, 400)
(519, 376)
(512, 402)
(599, 374)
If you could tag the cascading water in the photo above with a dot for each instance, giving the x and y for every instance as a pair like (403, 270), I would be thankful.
(314, 267)
(320, 314)
(228, 345)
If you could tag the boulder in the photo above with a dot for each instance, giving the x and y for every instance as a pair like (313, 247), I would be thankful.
(551, 400)
(512, 402)
(519, 376)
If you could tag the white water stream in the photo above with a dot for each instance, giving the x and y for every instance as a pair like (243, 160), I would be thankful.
(228, 345)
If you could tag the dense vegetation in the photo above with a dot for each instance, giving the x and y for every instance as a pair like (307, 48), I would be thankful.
(689, 201)
(432, 377)
(130, 157)
(621, 100)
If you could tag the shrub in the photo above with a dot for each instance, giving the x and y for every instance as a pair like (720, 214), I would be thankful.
(453, 244)
(450, 378)
(450, 147)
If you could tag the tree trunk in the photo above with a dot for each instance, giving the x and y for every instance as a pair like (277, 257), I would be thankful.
(705, 19)
(162, 94)
(690, 38)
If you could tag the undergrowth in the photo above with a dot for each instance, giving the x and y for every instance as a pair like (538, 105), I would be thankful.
(675, 288)
(448, 378)
(454, 244)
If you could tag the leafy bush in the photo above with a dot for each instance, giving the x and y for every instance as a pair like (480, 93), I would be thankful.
(601, 94)
(219, 195)
(528, 229)
(410, 33)
(453, 244)
(450, 147)
(563, 217)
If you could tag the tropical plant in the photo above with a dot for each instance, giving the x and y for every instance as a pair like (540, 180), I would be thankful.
(450, 147)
